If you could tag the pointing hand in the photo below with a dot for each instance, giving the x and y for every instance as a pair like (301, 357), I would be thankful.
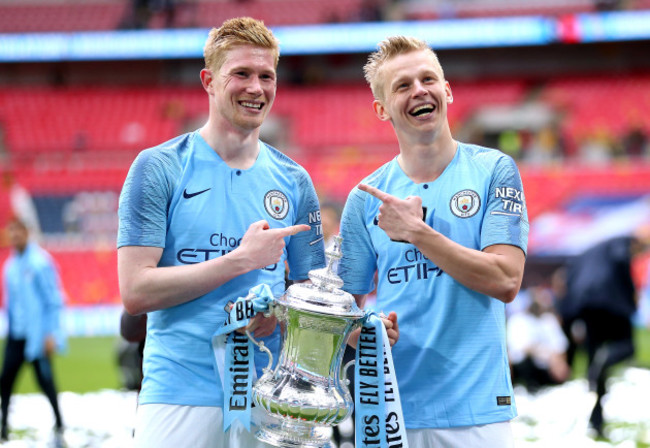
(262, 246)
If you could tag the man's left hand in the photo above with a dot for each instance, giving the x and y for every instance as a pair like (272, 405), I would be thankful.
(392, 329)
(397, 217)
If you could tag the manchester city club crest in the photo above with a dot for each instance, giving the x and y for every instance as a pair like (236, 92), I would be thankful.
(465, 203)
(276, 204)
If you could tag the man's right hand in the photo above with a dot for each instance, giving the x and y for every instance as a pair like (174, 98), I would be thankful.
(146, 287)
(262, 246)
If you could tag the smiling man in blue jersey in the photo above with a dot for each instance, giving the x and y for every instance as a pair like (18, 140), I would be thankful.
(444, 226)
(203, 218)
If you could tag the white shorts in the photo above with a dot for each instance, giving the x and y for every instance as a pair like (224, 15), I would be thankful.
(494, 435)
(174, 426)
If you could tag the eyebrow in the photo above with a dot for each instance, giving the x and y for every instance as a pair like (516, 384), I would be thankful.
(426, 72)
(398, 81)
(248, 68)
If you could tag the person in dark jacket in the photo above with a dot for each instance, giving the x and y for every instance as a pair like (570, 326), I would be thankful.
(600, 292)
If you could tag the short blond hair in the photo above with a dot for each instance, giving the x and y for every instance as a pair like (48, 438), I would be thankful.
(387, 50)
(238, 31)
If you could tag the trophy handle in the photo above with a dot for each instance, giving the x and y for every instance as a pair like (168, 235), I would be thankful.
(344, 371)
(262, 347)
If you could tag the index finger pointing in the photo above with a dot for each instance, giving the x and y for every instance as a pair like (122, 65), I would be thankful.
(376, 192)
(292, 230)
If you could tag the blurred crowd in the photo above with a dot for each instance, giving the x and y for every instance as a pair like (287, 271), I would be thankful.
(592, 303)
(547, 145)
(182, 13)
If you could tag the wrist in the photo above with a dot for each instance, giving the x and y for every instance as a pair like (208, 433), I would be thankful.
(240, 261)
(420, 232)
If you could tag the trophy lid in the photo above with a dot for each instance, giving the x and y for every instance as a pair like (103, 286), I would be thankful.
(323, 295)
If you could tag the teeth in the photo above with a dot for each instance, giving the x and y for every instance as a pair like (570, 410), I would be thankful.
(253, 105)
(427, 107)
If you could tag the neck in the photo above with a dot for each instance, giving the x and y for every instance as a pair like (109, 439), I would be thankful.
(425, 162)
(238, 148)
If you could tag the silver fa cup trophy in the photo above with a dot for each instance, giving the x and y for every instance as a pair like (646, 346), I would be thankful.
(306, 394)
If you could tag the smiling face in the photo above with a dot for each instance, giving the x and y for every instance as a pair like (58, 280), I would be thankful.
(414, 93)
(242, 90)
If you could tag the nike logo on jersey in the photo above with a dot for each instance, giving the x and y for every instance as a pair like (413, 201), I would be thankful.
(187, 195)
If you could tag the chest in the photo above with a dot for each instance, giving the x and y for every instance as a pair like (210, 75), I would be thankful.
(20, 275)
(454, 206)
(211, 208)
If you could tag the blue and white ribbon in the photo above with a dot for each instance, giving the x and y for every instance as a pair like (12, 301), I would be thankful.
(379, 421)
(234, 356)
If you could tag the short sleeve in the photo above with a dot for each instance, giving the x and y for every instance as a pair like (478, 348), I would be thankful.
(506, 217)
(144, 202)
(359, 263)
(306, 250)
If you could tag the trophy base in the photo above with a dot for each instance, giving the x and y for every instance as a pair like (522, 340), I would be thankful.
(293, 434)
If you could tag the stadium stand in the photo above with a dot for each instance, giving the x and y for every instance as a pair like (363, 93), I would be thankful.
(95, 15)
(70, 144)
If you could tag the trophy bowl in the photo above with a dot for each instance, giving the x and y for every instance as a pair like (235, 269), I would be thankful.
(306, 394)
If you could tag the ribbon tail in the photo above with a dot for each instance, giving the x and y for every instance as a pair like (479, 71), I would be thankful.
(233, 356)
(394, 415)
(379, 419)
(239, 365)
(369, 397)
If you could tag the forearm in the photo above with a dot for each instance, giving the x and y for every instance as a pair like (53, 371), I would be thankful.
(496, 272)
(146, 287)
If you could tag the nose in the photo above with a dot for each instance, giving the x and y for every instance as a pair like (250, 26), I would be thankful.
(255, 85)
(418, 89)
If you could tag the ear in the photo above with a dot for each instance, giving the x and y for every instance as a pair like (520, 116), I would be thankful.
(206, 79)
(380, 110)
(450, 95)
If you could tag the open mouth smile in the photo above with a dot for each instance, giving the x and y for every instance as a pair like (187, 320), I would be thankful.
(422, 110)
(252, 105)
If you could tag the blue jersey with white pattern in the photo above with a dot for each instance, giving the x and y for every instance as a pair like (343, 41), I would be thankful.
(181, 196)
(451, 360)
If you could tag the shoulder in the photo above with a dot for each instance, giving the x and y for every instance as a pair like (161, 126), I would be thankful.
(487, 158)
(288, 168)
(279, 158)
(9, 261)
(377, 179)
(167, 154)
(495, 168)
(159, 165)
(39, 257)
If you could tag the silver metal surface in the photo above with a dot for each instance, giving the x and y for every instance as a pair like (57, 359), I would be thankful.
(306, 394)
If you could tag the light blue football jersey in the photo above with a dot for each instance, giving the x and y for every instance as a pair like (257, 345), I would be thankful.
(451, 360)
(183, 197)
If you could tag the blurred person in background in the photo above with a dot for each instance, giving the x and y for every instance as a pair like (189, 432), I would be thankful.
(330, 215)
(133, 330)
(204, 218)
(34, 300)
(444, 224)
(601, 293)
(536, 343)
(643, 312)
(15, 200)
